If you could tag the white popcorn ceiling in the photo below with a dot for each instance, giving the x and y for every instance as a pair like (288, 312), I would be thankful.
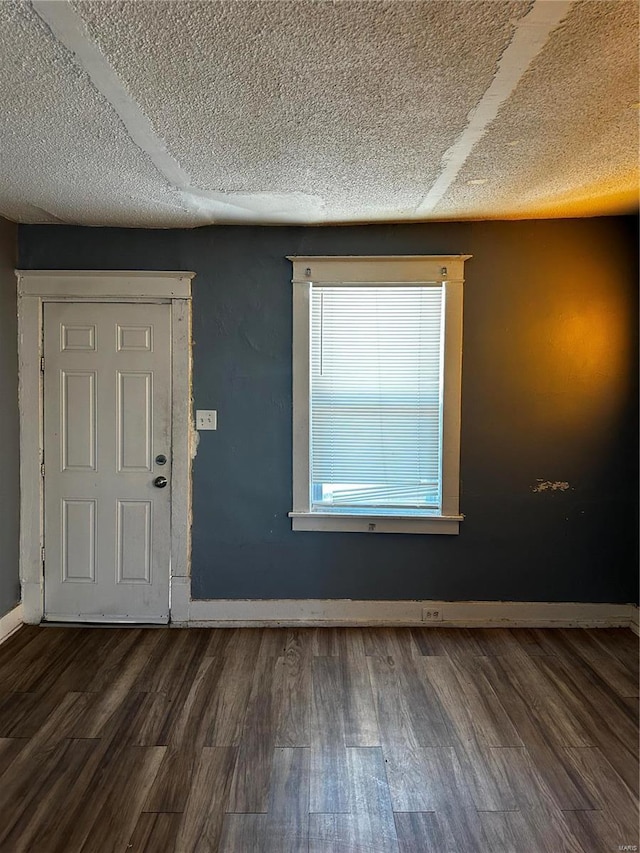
(177, 114)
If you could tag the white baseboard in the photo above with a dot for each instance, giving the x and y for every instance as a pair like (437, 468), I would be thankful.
(347, 612)
(10, 622)
(234, 613)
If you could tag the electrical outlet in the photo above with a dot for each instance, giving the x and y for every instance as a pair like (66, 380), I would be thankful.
(206, 419)
(431, 614)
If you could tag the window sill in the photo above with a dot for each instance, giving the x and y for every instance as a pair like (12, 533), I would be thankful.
(447, 524)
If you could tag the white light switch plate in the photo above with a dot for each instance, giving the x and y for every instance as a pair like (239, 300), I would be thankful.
(206, 419)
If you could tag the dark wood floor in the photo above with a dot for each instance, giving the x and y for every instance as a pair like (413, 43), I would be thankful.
(318, 740)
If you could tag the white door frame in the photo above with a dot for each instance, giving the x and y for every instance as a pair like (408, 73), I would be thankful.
(38, 286)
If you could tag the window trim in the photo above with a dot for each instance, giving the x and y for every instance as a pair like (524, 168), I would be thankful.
(447, 270)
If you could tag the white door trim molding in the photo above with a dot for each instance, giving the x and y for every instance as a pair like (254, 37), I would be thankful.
(10, 622)
(38, 286)
(182, 439)
(347, 612)
(83, 285)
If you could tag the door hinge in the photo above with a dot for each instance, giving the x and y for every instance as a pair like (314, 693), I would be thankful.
(42, 364)
(42, 469)
(42, 553)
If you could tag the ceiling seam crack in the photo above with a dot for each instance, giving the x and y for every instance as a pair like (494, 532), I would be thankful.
(68, 28)
(37, 211)
(531, 34)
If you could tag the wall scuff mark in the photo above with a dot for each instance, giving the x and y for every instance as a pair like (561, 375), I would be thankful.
(550, 486)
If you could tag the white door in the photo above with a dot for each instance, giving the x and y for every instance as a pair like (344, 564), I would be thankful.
(107, 491)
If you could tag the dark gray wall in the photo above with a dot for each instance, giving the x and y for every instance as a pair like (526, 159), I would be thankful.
(549, 393)
(9, 446)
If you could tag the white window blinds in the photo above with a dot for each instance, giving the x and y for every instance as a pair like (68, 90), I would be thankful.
(376, 398)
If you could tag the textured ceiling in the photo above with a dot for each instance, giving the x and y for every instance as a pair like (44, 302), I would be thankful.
(169, 114)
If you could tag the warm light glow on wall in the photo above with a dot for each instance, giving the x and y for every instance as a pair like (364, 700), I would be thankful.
(588, 340)
(579, 352)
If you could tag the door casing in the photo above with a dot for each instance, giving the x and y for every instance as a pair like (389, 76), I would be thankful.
(38, 286)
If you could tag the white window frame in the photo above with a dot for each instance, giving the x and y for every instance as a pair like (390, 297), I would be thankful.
(447, 270)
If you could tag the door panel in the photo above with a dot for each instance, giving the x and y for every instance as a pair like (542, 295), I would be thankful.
(78, 541)
(77, 338)
(135, 407)
(107, 415)
(78, 420)
(134, 541)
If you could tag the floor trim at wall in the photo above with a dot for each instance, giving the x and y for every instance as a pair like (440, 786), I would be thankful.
(10, 622)
(634, 622)
(305, 612)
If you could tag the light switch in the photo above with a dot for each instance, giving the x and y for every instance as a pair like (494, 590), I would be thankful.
(206, 419)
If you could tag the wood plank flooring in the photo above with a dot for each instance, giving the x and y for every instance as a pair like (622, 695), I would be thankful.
(328, 740)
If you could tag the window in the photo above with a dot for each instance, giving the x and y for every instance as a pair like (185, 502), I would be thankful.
(377, 353)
